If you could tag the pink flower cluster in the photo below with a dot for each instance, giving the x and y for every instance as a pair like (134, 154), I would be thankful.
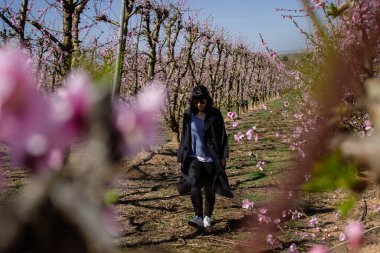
(40, 129)
(136, 123)
(232, 115)
(29, 125)
(239, 137)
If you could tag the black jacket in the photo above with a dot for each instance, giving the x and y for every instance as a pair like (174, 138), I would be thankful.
(217, 143)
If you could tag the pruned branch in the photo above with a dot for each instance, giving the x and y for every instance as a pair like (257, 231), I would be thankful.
(47, 34)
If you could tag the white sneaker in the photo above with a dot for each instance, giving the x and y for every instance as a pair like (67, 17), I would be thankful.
(207, 221)
(196, 222)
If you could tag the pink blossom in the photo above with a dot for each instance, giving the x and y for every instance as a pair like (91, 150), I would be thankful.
(318, 249)
(260, 165)
(28, 123)
(367, 125)
(270, 239)
(239, 137)
(293, 248)
(342, 237)
(313, 221)
(295, 215)
(355, 235)
(318, 3)
(137, 124)
(232, 115)
(247, 204)
(74, 104)
(235, 124)
(273, 54)
(262, 218)
(356, 17)
(252, 135)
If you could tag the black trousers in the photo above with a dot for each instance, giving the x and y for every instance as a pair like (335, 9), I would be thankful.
(201, 174)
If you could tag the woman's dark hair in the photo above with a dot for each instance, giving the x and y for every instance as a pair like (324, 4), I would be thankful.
(200, 92)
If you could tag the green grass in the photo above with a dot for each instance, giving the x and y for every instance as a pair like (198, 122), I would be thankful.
(257, 175)
(254, 197)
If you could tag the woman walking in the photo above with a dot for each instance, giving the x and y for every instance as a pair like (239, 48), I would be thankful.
(202, 153)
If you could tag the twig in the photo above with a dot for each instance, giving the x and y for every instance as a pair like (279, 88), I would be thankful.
(365, 209)
(343, 243)
(228, 241)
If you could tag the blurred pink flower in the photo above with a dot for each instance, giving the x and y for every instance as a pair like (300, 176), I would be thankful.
(355, 235)
(263, 210)
(27, 119)
(235, 124)
(73, 105)
(318, 249)
(109, 220)
(137, 123)
(247, 204)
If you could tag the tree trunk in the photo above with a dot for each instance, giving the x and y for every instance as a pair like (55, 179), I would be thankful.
(23, 11)
(68, 10)
(75, 32)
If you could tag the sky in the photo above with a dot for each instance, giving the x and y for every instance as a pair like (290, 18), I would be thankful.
(248, 18)
(239, 18)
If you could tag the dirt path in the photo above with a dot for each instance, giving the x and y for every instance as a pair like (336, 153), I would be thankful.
(155, 216)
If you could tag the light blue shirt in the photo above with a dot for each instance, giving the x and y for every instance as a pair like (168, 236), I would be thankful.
(198, 145)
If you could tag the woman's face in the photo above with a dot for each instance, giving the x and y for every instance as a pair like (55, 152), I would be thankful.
(200, 104)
